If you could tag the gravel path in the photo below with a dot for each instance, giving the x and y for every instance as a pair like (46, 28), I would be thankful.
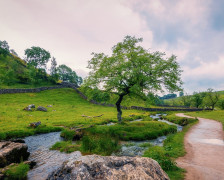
(205, 151)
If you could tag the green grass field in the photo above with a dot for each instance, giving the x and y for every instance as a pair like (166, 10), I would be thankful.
(67, 110)
(215, 115)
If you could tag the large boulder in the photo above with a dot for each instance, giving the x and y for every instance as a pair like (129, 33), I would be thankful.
(109, 167)
(11, 152)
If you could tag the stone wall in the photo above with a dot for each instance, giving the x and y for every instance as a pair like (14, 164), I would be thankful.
(73, 86)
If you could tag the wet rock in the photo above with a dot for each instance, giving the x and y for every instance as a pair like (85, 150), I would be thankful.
(30, 163)
(41, 108)
(11, 152)
(109, 167)
(18, 140)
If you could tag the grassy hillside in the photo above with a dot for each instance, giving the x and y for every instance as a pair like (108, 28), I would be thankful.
(14, 73)
(68, 108)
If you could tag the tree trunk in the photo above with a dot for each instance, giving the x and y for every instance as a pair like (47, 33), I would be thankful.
(118, 105)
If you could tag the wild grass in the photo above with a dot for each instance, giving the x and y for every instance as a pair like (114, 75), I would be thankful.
(135, 130)
(183, 121)
(66, 146)
(66, 111)
(17, 172)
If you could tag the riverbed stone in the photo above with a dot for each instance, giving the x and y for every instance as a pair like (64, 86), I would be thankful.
(11, 152)
(109, 167)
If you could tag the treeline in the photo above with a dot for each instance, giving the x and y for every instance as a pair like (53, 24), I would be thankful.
(33, 68)
(207, 99)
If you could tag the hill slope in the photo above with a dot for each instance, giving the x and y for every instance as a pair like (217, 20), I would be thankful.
(67, 110)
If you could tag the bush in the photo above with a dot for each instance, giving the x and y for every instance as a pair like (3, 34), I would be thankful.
(17, 172)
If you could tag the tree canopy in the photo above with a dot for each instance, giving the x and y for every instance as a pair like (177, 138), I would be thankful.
(68, 75)
(37, 57)
(133, 70)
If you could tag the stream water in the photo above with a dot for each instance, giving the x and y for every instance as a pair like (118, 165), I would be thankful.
(49, 160)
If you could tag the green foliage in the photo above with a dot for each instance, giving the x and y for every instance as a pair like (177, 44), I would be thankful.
(221, 104)
(197, 99)
(131, 69)
(17, 171)
(68, 134)
(65, 146)
(159, 154)
(66, 74)
(103, 145)
(211, 98)
(37, 57)
(134, 130)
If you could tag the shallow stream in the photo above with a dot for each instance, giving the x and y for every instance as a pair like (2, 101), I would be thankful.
(49, 160)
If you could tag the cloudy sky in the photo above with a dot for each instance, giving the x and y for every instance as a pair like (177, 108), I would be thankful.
(70, 30)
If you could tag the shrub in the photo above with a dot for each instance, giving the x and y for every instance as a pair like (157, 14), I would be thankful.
(17, 171)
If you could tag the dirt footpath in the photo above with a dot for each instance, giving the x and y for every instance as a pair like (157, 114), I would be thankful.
(205, 151)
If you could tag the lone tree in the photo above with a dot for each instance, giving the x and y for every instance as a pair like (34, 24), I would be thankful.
(37, 57)
(133, 70)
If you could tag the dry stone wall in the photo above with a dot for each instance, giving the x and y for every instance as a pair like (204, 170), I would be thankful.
(73, 86)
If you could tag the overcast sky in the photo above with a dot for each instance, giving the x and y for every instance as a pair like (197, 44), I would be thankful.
(70, 30)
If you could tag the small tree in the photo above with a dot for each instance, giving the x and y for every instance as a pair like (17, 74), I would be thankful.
(37, 57)
(211, 98)
(66, 74)
(53, 69)
(221, 104)
(186, 100)
(4, 45)
(197, 99)
(132, 70)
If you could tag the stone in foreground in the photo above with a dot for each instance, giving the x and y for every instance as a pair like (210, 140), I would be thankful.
(109, 168)
(11, 152)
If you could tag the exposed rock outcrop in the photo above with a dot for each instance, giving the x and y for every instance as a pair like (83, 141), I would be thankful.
(11, 152)
(109, 167)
